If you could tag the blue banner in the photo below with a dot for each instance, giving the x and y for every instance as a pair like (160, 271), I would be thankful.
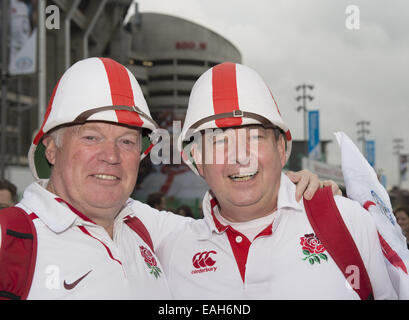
(370, 152)
(314, 146)
(383, 180)
(403, 168)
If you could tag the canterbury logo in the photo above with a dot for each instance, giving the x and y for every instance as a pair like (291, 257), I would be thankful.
(203, 259)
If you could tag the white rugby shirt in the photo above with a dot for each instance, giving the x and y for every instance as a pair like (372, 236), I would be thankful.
(77, 259)
(204, 260)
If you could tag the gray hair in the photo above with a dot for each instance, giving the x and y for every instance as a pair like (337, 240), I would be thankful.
(57, 136)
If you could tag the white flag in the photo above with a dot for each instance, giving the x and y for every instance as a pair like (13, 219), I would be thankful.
(362, 185)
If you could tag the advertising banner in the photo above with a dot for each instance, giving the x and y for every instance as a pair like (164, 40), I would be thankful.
(23, 37)
(403, 167)
(314, 146)
(370, 152)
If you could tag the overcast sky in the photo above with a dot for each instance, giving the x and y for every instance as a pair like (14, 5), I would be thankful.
(358, 74)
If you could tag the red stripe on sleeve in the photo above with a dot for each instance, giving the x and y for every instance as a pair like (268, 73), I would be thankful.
(225, 96)
(391, 255)
(368, 204)
(121, 92)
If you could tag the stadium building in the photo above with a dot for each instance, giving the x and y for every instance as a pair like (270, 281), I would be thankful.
(167, 54)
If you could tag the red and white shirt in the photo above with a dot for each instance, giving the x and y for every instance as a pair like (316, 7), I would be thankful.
(204, 259)
(77, 259)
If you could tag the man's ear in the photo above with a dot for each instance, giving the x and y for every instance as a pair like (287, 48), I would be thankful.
(281, 149)
(50, 149)
(197, 157)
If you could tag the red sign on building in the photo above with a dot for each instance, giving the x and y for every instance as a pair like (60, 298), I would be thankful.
(190, 45)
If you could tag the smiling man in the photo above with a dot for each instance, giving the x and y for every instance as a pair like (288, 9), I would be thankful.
(255, 241)
(94, 167)
(87, 241)
(248, 177)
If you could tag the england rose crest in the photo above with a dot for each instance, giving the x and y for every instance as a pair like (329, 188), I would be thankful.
(150, 261)
(313, 249)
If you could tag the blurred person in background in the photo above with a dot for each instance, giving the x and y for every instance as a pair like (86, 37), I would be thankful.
(402, 217)
(8, 194)
(185, 211)
(157, 200)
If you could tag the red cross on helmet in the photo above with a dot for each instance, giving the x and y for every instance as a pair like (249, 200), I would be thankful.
(229, 95)
(93, 89)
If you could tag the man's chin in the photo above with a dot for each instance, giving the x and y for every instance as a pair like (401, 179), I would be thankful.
(245, 201)
(106, 202)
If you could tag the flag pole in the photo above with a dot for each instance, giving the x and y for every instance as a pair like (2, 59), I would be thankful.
(41, 61)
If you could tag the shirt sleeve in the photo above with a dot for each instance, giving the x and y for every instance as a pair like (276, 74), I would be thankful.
(162, 225)
(363, 230)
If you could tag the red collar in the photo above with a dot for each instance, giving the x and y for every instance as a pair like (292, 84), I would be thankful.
(221, 228)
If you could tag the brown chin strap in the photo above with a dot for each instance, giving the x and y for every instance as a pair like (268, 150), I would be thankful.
(241, 114)
(266, 123)
(83, 117)
(235, 114)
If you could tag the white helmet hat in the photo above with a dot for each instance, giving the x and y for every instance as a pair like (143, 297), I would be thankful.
(93, 89)
(229, 95)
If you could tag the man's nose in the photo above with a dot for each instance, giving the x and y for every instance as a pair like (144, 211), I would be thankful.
(110, 153)
(239, 150)
(243, 154)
